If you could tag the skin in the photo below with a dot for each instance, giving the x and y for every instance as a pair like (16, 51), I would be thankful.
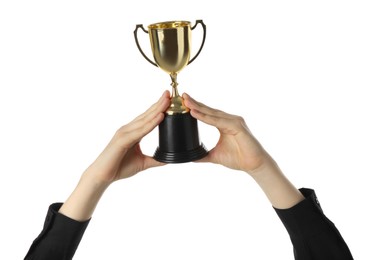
(236, 149)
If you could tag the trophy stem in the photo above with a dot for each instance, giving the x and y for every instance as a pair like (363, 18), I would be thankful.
(176, 101)
(174, 84)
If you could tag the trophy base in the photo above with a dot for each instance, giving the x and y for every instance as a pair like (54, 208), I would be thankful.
(180, 157)
(179, 140)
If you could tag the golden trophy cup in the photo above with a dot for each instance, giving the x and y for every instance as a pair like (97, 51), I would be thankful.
(178, 132)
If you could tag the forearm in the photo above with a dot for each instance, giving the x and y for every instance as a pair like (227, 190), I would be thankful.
(82, 202)
(279, 190)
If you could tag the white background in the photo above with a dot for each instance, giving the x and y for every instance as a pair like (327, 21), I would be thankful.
(301, 73)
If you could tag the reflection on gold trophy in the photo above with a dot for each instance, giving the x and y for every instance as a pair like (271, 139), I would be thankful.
(171, 48)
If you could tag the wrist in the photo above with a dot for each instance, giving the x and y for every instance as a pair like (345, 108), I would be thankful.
(266, 166)
(82, 202)
(94, 183)
(279, 190)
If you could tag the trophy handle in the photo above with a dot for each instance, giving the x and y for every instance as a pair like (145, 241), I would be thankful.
(140, 26)
(204, 39)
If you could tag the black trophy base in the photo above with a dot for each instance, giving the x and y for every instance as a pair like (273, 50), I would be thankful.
(179, 140)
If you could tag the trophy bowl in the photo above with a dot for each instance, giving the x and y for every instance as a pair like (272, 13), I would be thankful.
(171, 45)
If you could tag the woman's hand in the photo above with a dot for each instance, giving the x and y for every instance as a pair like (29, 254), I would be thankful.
(123, 158)
(237, 148)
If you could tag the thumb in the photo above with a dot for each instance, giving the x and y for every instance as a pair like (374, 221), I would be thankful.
(208, 158)
(150, 162)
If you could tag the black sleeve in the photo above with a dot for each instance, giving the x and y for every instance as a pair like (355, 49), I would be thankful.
(313, 235)
(59, 238)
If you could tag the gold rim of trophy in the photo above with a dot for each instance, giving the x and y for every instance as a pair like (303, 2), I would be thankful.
(169, 25)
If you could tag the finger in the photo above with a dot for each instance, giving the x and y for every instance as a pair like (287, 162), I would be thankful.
(157, 108)
(193, 104)
(148, 125)
(207, 158)
(230, 126)
(207, 118)
(150, 162)
(130, 134)
(160, 106)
